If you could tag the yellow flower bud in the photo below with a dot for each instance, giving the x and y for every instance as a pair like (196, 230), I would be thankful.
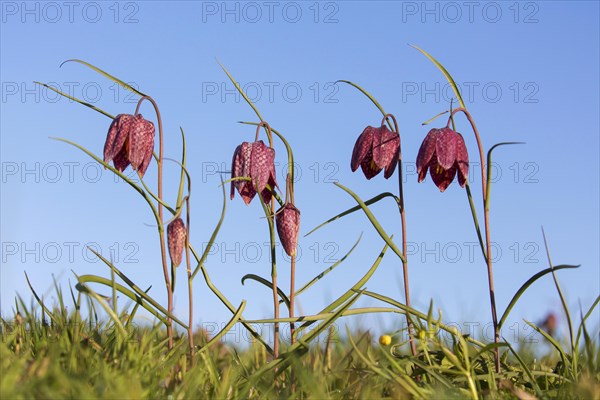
(385, 340)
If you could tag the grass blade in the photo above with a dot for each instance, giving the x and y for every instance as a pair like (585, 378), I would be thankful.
(201, 260)
(373, 221)
(124, 291)
(234, 320)
(328, 270)
(356, 208)
(82, 287)
(446, 74)
(489, 170)
(93, 107)
(136, 288)
(526, 285)
(268, 284)
(40, 301)
(237, 86)
(352, 291)
(107, 75)
(370, 96)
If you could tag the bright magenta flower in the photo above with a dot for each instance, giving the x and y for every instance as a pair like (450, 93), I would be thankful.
(176, 240)
(287, 219)
(130, 140)
(257, 162)
(375, 149)
(444, 153)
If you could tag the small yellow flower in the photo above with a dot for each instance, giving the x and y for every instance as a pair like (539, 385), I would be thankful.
(385, 340)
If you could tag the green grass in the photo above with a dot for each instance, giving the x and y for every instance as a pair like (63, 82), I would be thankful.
(57, 354)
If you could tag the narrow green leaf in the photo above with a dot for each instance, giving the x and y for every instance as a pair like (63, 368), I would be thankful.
(237, 86)
(525, 286)
(430, 120)
(585, 317)
(560, 294)
(352, 291)
(489, 170)
(328, 270)
(179, 203)
(489, 348)
(370, 96)
(554, 343)
(234, 320)
(107, 75)
(40, 301)
(268, 284)
(322, 316)
(93, 107)
(475, 220)
(212, 239)
(356, 208)
(226, 302)
(302, 344)
(136, 288)
(532, 380)
(136, 307)
(373, 221)
(123, 290)
(87, 290)
(446, 74)
(116, 172)
(417, 314)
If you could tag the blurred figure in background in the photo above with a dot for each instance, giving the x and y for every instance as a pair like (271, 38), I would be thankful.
(549, 324)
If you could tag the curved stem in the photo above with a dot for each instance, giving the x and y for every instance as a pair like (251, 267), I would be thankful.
(413, 347)
(190, 282)
(488, 243)
(161, 230)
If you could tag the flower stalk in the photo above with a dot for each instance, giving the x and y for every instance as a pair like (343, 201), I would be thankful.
(161, 230)
(486, 218)
(411, 335)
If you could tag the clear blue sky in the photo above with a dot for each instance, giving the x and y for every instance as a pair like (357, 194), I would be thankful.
(529, 72)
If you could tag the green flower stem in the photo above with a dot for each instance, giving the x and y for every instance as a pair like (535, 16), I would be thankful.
(268, 209)
(190, 281)
(161, 230)
(413, 346)
(488, 243)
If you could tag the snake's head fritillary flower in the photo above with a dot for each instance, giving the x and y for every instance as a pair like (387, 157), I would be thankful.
(257, 162)
(176, 240)
(130, 140)
(287, 220)
(376, 149)
(444, 153)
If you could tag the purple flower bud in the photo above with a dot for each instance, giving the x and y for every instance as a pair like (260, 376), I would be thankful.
(176, 240)
(287, 219)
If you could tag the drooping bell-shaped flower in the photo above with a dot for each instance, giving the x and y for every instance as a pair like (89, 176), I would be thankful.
(376, 149)
(287, 220)
(444, 153)
(255, 161)
(130, 140)
(176, 240)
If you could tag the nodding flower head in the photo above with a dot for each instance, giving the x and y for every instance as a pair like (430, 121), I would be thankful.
(256, 162)
(287, 220)
(376, 149)
(176, 240)
(130, 140)
(444, 153)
